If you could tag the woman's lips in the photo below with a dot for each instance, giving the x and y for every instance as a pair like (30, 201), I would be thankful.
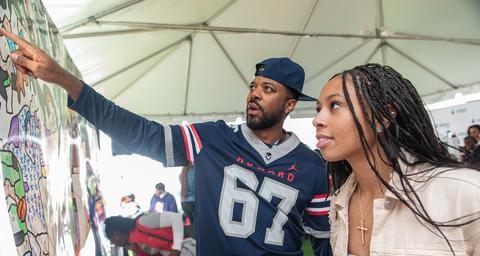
(323, 141)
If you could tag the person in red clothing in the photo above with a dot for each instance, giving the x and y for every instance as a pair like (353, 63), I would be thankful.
(151, 234)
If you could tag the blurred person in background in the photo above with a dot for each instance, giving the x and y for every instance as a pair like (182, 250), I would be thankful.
(162, 201)
(187, 181)
(474, 131)
(129, 207)
(471, 151)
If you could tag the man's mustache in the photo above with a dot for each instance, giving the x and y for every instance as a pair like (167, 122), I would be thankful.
(255, 101)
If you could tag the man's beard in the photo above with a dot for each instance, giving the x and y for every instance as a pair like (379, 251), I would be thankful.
(265, 119)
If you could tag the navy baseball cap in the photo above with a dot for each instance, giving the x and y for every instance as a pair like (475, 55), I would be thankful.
(286, 72)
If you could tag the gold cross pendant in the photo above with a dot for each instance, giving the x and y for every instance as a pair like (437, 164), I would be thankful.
(362, 229)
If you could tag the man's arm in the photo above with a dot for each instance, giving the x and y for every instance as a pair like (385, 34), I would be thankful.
(135, 133)
(184, 182)
(321, 246)
(315, 218)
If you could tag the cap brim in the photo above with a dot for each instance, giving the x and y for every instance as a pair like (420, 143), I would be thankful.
(304, 97)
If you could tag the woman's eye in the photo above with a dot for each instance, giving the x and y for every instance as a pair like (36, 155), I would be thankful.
(334, 105)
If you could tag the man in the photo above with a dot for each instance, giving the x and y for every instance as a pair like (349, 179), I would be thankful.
(474, 131)
(259, 188)
(471, 151)
(150, 234)
(162, 201)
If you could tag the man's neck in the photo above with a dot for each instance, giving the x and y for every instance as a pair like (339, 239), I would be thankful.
(161, 195)
(272, 135)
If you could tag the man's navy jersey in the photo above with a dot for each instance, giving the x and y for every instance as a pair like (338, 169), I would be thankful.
(252, 199)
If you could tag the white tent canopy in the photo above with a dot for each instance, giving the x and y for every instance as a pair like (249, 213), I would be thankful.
(177, 58)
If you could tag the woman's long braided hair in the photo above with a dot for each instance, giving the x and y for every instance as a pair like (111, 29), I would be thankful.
(388, 99)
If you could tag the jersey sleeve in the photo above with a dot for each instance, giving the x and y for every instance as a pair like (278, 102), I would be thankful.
(173, 145)
(316, 213)
(315, 217)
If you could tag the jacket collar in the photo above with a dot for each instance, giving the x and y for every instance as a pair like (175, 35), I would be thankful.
(421, 172)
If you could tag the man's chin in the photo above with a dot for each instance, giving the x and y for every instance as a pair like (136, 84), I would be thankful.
(254, 124)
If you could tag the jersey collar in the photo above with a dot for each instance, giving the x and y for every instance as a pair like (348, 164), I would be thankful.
(269, 155)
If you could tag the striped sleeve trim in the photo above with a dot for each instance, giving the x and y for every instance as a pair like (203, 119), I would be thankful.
(196, 137)
(317, 211)
(317, 233)
(192, 142)
(321, 198)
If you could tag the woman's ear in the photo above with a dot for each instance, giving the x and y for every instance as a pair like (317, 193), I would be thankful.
(393, 113)
(386, 122)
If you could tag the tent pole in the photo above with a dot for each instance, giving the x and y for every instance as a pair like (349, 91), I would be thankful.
(187, 87)
(107, 33)
(373, 53)
(304, 26)
(234, 30)
(133, 31)
(333, 63)
(138, 62)
(379, 29)
(219, 12)
(172, 50)
(99, 15)
(230, 59)
(430, 71)
(384, 52)
(469, 84)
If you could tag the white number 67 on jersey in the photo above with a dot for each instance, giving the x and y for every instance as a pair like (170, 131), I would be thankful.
(232, 194)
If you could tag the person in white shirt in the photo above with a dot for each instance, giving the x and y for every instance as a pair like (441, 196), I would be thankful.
(397, 191)
(129, 207)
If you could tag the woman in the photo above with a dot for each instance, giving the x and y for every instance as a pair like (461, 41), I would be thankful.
(397, 191)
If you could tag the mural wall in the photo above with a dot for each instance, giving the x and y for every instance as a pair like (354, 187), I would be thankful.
(47, 153)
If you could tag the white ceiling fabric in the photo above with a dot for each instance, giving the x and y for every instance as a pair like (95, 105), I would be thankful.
(194, 58)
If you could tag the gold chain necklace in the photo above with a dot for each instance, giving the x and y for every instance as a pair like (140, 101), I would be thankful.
(362, 227)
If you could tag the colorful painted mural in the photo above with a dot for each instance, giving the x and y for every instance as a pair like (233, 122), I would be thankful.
(47, 153)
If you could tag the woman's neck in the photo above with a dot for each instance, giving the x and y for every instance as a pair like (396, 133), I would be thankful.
(368, 183)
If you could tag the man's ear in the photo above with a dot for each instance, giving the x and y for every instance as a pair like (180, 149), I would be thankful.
(290, 106)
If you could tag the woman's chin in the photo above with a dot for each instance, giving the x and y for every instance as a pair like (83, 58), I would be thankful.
(331, 156)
